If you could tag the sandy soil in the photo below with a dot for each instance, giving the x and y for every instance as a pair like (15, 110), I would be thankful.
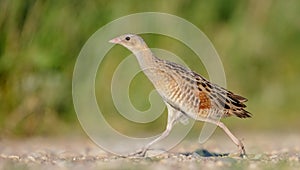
(265, 151)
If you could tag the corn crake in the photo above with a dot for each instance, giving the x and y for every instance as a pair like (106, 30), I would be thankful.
(185, 92)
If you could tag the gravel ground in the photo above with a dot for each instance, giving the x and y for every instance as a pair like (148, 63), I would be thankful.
(265, 151)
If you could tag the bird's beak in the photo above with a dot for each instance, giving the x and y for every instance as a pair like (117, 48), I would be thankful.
(115, 40)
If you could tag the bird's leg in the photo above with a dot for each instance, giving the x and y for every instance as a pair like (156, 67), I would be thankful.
(232, 137)
(142, 152)
(162, 136)
(173, 116)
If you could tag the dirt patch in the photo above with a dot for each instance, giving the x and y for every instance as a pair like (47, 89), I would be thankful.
(264, 151)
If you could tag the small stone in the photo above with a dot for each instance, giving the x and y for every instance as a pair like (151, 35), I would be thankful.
(14, 157)
(294, 158)
(273, 156)
(257, 156)
(31, 158)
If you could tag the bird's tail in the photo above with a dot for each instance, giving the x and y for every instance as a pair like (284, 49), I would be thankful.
(237, 106)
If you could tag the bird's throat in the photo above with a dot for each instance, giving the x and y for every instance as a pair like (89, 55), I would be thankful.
(146, 59)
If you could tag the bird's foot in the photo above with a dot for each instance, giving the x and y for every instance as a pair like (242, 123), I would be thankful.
(243, 154)
(138, 154)
(242, 150)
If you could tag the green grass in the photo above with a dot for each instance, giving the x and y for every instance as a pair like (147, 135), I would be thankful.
(39, 41)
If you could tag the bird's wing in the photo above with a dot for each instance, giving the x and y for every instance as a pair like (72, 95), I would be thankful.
(213, 96)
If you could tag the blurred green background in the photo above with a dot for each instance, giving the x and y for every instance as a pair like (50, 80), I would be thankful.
(258, 42)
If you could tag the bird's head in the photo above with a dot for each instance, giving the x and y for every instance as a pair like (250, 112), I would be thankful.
(131, 41)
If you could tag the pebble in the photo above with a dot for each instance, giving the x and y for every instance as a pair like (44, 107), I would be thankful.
(58, 158)
(13, 157)
(294, 158)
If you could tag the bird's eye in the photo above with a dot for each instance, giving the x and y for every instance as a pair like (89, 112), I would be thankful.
(127, 38)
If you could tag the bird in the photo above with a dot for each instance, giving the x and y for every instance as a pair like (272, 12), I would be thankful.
(186, 93)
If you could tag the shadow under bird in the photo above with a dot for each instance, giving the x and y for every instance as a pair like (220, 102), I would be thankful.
(186, 93)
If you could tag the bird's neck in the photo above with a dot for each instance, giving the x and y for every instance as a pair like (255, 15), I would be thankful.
(146, 58)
